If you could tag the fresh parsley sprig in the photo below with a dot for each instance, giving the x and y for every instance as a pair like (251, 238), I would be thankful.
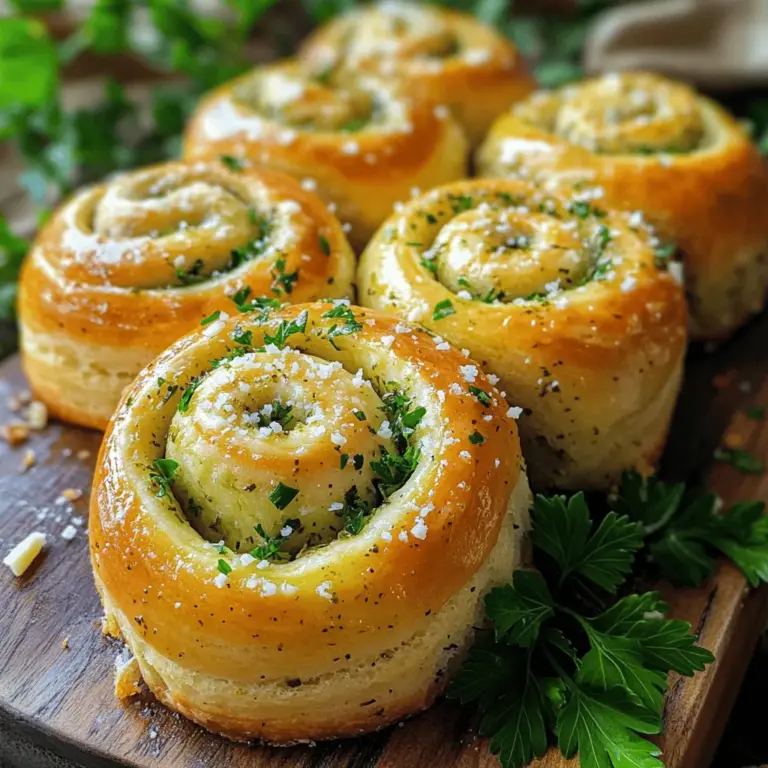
(683, 533)
(569, 663)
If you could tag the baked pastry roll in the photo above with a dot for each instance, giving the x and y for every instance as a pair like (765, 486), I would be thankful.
(558, 298)
(355, 139)
(655, 147)
(125, 268)
(296, 541)
(448, 57)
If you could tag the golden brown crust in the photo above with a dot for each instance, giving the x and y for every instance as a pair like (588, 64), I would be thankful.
(559, 299)
(447, 57)
(355, 139)
(654, 146)
(228, 650)
(124, 268)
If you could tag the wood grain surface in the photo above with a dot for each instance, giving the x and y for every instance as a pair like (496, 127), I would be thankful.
(62, 698)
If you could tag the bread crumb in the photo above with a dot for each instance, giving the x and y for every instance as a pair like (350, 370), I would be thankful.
(127, 675)
(83, 454)
(24, 553)
(65, 644)
(28, 461)
(72, 494)
(37, 415)
(19, 400)
(109, 626)
(14, 433)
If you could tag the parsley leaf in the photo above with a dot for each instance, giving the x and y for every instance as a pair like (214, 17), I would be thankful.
(355, 513)
(270, 549)
(288, 328)
(682, 535)
(394, 469)
(563, 529)
(283, 495)
(519, 609)
(282, 280)
(161, 474)
(603, 727)
(351, 324)
(234, 164)
(443, 309)
(742, 460)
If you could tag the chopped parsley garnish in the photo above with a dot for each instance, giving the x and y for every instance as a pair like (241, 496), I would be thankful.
(757, 412)
(580, 208)
(480, 394)
(491, 296)
(283, 495)
(430, 264)
(282, 280)
(443, 309)
(355, 513)
(224, 567)
(239, 336)
(476, 438)
(262, 304)
(233, 163)
(742, 460)
(161, 474)
(359, 415)
(233, 353)
(192, 274)
(663, 253)
(270, 549)
(460, 203)
(256, 247)
(354, 125)
(287, 328)
(186, 396)
(602, 238)
(343, 460)
(279, 412)
(403, 419)
(324, 245)
(351, 324)
(394, 469)
(212, 318)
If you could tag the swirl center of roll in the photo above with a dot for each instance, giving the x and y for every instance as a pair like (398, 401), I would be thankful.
(295, 98)
(160, 230)
(631, 113)
(403, 30)
(502, 254)
(275, 440)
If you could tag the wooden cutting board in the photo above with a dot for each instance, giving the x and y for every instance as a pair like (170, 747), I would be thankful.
(62, 697)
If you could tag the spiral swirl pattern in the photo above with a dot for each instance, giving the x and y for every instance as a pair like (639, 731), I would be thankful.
(445, 56)
(355, 138)
(124, 268)
(560, 298)
(660, 151)
(280, 477)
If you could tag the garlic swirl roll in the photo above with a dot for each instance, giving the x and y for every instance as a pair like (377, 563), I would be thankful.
(295, 543)
(658, 149)
(448, 57)
(558, 298)
(355, 139)
(125, 268)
